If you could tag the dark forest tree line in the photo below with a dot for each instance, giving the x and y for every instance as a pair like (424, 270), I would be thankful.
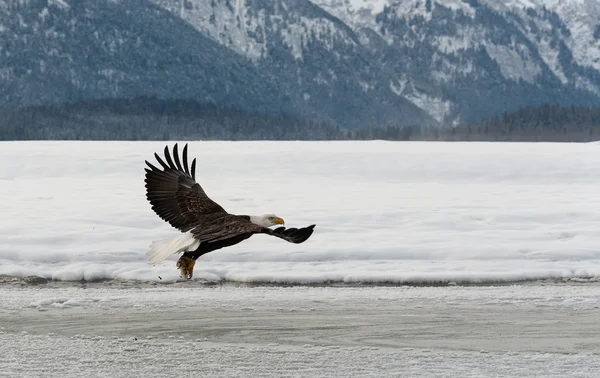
(154, 119)
(547, 123)
(147, 118)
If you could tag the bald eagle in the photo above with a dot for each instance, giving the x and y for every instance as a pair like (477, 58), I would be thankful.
(178, 199)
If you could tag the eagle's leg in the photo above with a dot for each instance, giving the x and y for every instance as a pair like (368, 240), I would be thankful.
(191, 268)
(186, 267)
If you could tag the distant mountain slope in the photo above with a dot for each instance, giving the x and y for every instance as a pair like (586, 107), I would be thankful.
(353, 63)
(465, 60)
(56, 51)
(322, 59)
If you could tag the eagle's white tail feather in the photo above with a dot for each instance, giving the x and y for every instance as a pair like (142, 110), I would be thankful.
(160, 250)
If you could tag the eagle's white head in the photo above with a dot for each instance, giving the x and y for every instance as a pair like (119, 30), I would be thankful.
(266, 220)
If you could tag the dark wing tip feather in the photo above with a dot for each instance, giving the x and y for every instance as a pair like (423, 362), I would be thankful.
(160, 161)
(185, 160)
(152, 167)
(301, 235)
(293, 234)
(168, 157)
(172, 162)
(176, 158)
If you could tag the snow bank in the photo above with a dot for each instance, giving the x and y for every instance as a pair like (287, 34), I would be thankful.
(385, 211)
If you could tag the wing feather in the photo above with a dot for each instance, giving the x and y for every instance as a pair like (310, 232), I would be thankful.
(224, 227)
(176, 197)
(185, 161)
(168, 156)
(176, 157)
(194, 169)
(292, 234)
(160, 161)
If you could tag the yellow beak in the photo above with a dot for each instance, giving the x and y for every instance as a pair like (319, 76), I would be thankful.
(279, 221)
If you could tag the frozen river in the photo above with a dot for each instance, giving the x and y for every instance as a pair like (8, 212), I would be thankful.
(116, 329)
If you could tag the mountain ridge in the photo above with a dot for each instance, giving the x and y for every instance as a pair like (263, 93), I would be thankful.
(353, 63)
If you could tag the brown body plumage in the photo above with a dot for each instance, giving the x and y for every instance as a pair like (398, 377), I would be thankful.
(178, 199)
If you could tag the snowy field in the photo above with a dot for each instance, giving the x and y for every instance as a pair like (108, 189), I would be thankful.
(385, 211)
(403, 231)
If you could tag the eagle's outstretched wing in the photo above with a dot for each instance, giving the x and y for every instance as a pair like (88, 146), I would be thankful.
(175, 195)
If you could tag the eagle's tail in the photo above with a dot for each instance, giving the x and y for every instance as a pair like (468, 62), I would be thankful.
(160, 250)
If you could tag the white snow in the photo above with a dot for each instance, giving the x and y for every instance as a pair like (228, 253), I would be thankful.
(453, 44)
(457, 5)
(355, 13)
(385, 211)
(375, 6)
(518, 3)
(59, 3)
(515, 62)
(436, 107)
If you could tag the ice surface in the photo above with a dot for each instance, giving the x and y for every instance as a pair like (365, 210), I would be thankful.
(121, 329)
(385, 211)
(71, 357)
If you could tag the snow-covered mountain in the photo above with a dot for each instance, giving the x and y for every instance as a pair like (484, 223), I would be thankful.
(356, 63)
(331, 74)
(356, 13)
(54, 51)
(507, 53)
(581, 17)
